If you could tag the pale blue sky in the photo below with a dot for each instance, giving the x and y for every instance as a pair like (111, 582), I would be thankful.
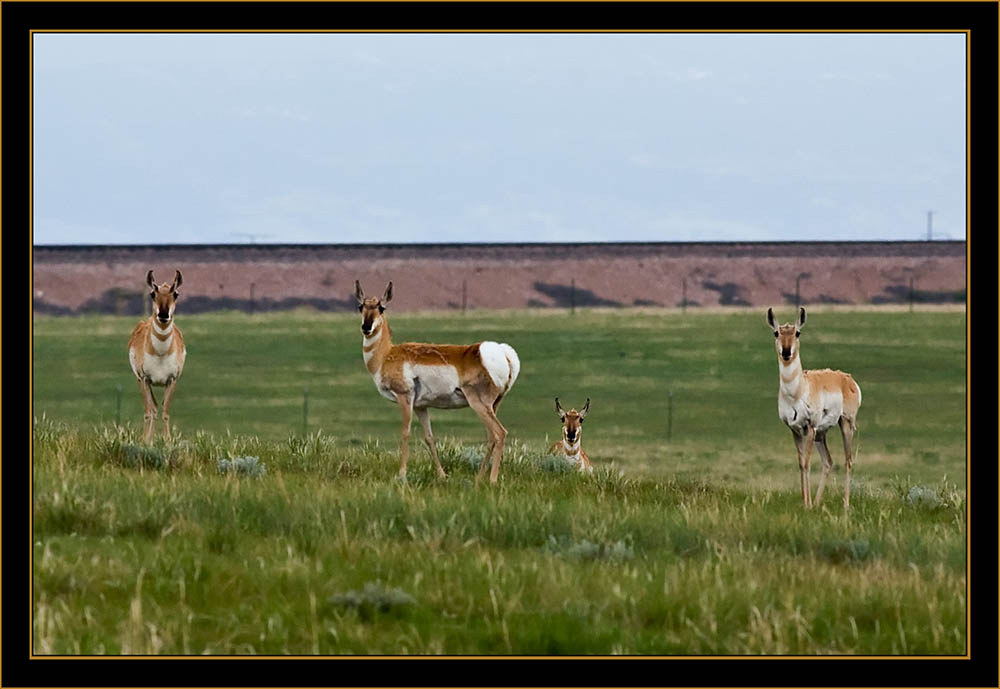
(392, 138)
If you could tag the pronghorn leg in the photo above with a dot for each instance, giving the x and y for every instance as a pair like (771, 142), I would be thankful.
(824, 453)
(406, 406)
(496, 431)
(165, 407)
(425, 420)
(847, 429)
(804, 445)
(490, 444)
(149, 415)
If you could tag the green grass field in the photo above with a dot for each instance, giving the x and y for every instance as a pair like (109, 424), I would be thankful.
(690, 537)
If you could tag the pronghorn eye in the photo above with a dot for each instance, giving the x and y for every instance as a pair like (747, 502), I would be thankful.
(361, 307)
(797, 333)
(381, 309)
(775, 333)
(152, 295)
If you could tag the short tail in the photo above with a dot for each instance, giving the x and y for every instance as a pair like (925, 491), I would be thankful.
(514, 362)
(501, 362)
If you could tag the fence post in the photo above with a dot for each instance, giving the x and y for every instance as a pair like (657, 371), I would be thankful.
(463, 297)
(670, 415)
(305, 411)
(684, 296)
(251, 298)
(572, 296)
(911, 294)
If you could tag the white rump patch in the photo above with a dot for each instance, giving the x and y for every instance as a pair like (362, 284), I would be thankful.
(501, 362)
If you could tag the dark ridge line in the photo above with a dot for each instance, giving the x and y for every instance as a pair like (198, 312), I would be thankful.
(85, 253)
(494, 245)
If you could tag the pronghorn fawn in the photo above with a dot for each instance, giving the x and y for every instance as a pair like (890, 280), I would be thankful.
(572, 433)
(419, 377)
(156, 352)
(810, 403)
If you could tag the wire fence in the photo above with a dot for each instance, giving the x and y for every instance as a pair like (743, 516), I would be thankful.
(548, 295)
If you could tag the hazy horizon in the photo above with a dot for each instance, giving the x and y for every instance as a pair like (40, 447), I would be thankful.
(347, 138)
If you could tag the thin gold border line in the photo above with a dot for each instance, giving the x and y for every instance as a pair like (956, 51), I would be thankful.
(496, 31)
(968, 571)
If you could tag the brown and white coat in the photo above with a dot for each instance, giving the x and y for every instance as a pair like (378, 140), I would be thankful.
(420, 376)
(570, 447)
(810, 403)
(156, 352)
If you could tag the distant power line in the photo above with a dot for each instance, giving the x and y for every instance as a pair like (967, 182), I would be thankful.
(253, 236)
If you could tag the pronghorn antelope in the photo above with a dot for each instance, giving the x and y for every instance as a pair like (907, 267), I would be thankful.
(810, 403)
(572, 433)
(156, 352)
(419, 377)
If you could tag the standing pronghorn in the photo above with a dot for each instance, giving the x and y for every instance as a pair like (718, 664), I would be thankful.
(810, 403)
(419, 377)
(572, 432)
(156, 352)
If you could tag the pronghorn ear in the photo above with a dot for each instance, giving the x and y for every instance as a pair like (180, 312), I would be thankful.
(387, 297)
(359, 293)
(150, 281)
(585, 410)
(178, 281)
(802, 316)
(770, 320)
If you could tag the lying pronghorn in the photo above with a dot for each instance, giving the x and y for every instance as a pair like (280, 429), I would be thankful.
(810, 403)
(572, 432)
(419, 377)
(156, 352)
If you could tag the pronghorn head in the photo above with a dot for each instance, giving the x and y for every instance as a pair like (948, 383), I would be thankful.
(572, 421)
(371, 308)
(786, 337)
(164, 297)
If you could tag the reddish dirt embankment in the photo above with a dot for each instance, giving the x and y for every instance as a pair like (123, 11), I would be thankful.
(262, 277)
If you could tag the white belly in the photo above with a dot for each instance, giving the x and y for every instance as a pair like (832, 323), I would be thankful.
(435, 386)
(158, 370)
(794, 413)
(829, 410)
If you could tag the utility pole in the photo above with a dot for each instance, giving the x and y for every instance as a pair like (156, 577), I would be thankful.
(930, 222)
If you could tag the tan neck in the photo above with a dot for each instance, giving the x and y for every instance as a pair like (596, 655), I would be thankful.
(572, 448)
(159, 331)
(791, 376)
(375, 348)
